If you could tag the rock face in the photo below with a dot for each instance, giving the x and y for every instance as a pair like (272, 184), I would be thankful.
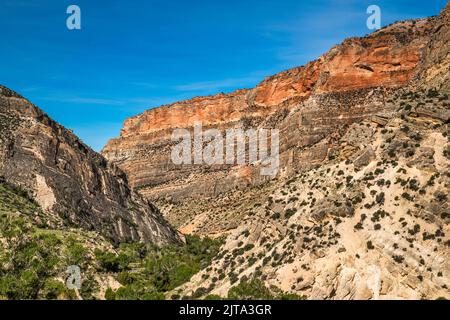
(311, 106)
(352, 229)
(436, 64)
(73, 184)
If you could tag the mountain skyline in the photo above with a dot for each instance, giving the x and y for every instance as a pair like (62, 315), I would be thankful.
(84, 83)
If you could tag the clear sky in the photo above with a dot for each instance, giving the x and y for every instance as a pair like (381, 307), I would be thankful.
(130, 56)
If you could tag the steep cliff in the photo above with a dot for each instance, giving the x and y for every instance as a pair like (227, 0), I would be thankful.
(74, 185)
(312, 106)
(436, 64)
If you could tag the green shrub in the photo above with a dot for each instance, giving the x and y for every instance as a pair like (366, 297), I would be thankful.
(54, 289)
(108, 261)
(250, 290)
(125, 278)
(110, 294)
(291, 296)
(76, 253)
(289, 213)
(89, 286)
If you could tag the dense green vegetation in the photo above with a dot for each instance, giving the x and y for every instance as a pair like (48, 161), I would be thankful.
(256, 290)
(34, 260)
(148, 271)
(28, 260)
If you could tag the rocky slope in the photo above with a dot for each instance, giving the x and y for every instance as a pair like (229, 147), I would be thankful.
(74, 185)
(370, 224)
(310, 105)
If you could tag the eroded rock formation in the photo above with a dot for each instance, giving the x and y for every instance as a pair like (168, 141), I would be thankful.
(73, 184)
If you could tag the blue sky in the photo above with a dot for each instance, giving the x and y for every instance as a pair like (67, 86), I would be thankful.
(130, 56)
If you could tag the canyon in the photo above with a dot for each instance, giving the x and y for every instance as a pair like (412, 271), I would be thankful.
(358, 208)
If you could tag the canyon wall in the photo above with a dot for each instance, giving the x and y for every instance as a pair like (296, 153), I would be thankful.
(311, 105)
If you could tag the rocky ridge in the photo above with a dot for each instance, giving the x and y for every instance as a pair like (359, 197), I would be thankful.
(74, 185)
